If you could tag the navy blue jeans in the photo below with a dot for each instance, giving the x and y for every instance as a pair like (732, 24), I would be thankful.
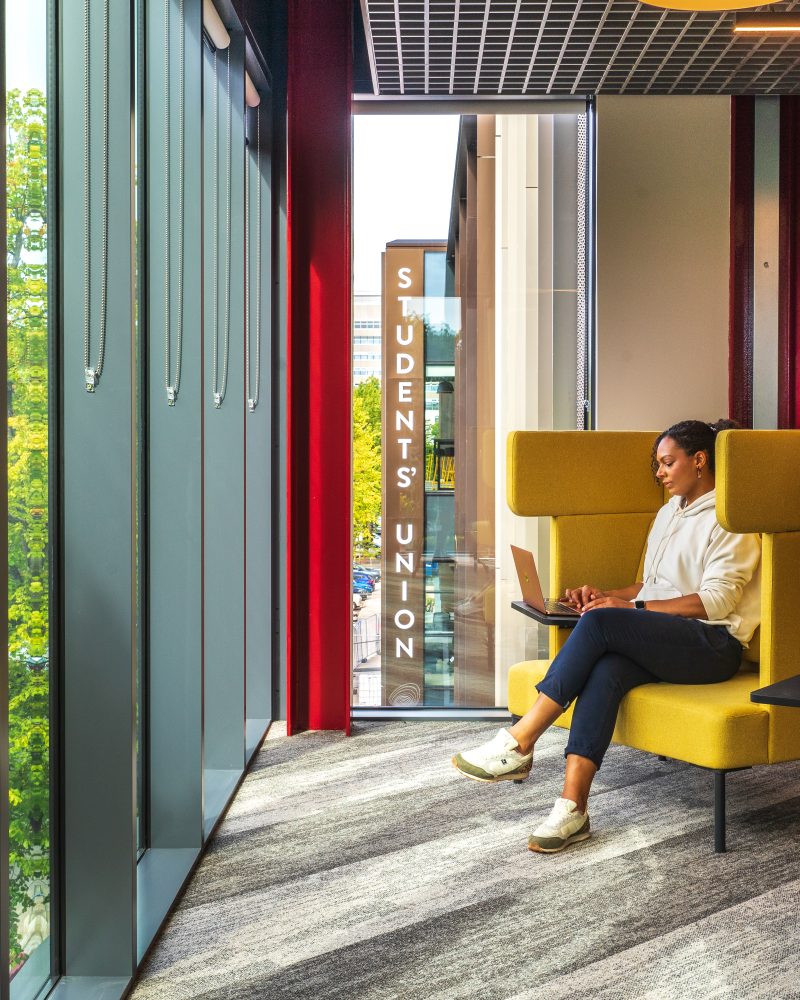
(612, 650)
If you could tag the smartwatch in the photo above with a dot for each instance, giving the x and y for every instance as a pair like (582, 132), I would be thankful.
(640, 605)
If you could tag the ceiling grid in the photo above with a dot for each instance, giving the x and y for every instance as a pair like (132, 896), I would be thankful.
(562, 48)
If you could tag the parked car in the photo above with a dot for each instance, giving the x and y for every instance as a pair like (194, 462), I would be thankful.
(364, 590)
(374, 573)
(364, 579)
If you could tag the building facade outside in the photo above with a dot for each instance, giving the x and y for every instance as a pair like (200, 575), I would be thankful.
(366, 338)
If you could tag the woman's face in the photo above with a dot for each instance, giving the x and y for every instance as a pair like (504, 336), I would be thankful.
(677, 470)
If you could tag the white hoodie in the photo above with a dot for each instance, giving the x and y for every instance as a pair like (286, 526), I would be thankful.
(689, 553)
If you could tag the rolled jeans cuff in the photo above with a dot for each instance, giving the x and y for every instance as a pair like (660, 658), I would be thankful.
(547, 687)
(584, 750)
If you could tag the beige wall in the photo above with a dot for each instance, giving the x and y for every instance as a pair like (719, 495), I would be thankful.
(663, 166)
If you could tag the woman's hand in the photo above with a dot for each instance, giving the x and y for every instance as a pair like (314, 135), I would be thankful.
(581, 596)
(606, 601)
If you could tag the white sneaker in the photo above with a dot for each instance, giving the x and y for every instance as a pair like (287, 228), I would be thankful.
(565, 825)
(497, 760)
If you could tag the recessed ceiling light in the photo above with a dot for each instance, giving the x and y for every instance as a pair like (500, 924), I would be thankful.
(768, 23)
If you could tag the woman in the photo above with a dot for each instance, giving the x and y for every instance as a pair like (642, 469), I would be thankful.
(687, 623)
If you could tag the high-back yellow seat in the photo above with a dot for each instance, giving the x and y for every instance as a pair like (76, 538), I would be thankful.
(598, 489)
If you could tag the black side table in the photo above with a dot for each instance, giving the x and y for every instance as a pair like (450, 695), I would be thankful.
(782, 693)
(560, 621)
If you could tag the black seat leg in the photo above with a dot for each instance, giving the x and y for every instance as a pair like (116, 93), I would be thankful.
(719, 812)
(514, 720)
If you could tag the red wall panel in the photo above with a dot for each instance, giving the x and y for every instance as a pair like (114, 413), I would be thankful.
(740, 356)
(319, 364)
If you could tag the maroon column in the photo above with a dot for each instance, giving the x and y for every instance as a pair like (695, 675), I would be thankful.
(740, 357)
(319, 624)
(789, 274)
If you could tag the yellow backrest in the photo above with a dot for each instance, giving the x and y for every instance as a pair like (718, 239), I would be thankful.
(552, 473)
(599, 490)
(758, 484)
(758, 489)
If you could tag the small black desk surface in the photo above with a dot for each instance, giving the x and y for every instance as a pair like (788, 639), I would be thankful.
(783, 693)
(562, 621)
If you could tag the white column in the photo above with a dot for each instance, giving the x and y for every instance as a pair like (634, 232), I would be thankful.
(517, 389)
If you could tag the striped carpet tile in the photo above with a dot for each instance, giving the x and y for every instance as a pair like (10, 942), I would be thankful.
(369, 868)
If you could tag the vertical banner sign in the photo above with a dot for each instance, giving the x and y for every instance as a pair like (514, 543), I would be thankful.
(403, 525)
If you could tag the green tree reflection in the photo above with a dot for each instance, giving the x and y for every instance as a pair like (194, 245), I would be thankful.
(28, 556)
(366, 466)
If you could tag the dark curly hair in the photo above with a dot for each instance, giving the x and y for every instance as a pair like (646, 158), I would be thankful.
(693, 436)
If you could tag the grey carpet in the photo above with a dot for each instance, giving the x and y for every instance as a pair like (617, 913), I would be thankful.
(367, 868)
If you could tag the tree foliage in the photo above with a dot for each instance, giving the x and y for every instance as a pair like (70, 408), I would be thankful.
(366, 465)
(28, 555)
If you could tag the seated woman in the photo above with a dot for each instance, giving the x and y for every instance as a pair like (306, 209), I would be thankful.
(687, 623)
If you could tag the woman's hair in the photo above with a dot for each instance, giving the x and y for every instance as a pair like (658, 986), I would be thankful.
(693, 436)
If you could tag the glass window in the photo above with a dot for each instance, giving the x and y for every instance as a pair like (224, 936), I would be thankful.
(476, 269)
(28, 495)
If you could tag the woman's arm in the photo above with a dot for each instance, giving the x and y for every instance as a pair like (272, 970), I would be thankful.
(689, 606)
(582, 596)
(729, 564)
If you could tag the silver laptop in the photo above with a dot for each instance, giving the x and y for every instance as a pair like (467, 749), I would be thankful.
(532, 588)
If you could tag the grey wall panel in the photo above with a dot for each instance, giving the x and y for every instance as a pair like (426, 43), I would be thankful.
(663, 260)
(258, 422)
(766, 227)
(99, 692)
(175, 447)
(224, 430)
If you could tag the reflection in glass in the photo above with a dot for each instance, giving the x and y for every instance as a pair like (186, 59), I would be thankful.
(28, 483)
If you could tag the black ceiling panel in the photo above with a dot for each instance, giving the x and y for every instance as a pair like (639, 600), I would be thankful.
(555, 47)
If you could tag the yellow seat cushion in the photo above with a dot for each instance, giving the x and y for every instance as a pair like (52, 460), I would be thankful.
(711, 725)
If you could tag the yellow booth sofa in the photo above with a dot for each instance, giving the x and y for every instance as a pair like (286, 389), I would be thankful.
(598, 490)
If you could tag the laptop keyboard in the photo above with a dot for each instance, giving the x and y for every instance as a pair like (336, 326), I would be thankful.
(557, 608)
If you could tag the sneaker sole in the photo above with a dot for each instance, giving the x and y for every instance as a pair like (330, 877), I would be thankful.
(574, 839)
(512, 776)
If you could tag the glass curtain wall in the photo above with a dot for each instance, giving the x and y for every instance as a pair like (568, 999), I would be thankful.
(30, 765)
(258, 417)
(130, 414)
(224, 429)
(478, 262)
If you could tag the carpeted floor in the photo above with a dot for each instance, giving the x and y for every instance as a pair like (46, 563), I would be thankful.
(367, 868)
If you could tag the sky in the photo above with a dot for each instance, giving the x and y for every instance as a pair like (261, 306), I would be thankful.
(402, 186)
(26, 47)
